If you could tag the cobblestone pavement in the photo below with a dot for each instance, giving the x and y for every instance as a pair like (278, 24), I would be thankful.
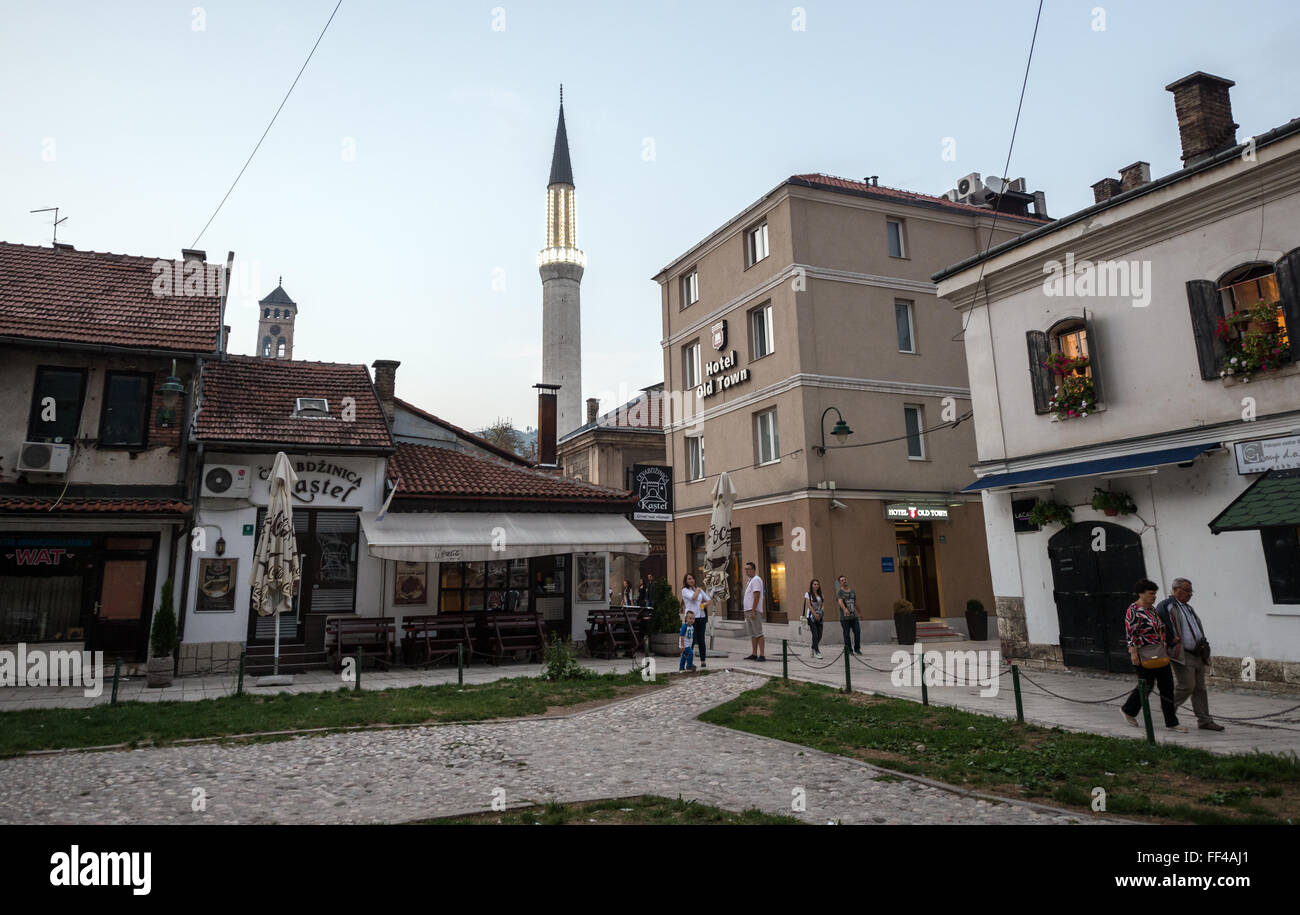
(650, 744)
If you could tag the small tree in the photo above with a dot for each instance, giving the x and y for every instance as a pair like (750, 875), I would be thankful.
(504, 435)
(667, 615)
(162, 640)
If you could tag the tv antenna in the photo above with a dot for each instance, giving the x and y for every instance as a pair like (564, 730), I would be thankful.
(57, 220)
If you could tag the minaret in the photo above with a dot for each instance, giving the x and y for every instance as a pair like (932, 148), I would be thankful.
(561, 265)
(275, 325)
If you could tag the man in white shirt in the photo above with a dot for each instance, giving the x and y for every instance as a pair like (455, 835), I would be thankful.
(753, 607)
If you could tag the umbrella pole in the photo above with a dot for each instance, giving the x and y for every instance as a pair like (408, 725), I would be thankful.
(275, 614)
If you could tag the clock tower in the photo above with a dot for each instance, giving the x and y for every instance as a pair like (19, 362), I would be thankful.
(275, 325)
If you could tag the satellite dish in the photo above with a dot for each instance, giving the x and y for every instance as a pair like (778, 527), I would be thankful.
(994, 184)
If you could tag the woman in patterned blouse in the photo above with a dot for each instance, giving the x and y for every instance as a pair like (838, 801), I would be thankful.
(1142, 626)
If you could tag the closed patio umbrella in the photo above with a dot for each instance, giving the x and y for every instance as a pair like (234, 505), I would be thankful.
(276, 572)
(718, 548)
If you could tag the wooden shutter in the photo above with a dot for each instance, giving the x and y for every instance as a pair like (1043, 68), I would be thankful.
(1040, 376)
(1288, 285)
(1205, 307)
(1094, 351)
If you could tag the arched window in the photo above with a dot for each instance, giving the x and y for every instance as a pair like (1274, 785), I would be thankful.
(1064, 374)
(1240, 321)
(277, 312)
(266, 313)
(266, 346)
(280, 348)
(1246, 286)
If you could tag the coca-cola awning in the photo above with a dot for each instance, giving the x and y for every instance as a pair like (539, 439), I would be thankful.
(483, 536)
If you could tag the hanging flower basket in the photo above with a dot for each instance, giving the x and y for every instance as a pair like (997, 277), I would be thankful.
(1046, 512)
(1113, 502)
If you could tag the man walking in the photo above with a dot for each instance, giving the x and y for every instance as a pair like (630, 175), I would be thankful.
(847, 600)
(1191, 656)
(753, 607)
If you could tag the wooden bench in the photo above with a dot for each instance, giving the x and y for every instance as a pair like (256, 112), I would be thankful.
(614, 631)
(512, 632)
(433, 638)
(371, 635)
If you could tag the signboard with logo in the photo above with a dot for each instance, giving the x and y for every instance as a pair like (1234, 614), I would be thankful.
(1268, 454)
(720, 375)
(886, 563)
(653, 486)
(718, 334)
(323, 482)
(216, 591)
(903, 511)
(411, 583)
(1020, 509)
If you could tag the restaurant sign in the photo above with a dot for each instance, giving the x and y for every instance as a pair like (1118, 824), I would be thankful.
(653, 486)
(720, 376)
(1268, 454)
(902, 510)
(320, 479)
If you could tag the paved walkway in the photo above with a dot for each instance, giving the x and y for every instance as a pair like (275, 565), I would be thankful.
(1279, 734)
(649, 744)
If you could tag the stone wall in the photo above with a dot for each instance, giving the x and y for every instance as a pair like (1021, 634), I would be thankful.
(209, 657)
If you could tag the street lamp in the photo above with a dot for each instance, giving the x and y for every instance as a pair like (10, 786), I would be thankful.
(171, 391)
(841, 430)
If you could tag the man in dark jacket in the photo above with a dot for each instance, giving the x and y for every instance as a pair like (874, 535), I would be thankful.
(1188, 650)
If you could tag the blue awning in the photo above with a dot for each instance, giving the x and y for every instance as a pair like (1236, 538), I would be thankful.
(1091, 468)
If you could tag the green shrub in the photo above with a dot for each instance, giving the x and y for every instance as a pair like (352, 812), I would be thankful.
(667, 614)
(562, 661)
(974, 606)
(162, 640)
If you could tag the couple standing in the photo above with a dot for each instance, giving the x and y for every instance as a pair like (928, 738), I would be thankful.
(846, 599)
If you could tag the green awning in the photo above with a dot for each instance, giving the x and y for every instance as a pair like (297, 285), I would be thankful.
(1271, 501)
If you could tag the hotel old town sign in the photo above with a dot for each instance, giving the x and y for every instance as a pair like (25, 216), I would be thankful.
(901, 510)
(720, 377)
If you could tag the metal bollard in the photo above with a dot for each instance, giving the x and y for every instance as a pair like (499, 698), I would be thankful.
(925, 692)
(117, 674)
(460, 664)
(243, 654)
(1144, 689)
(1015, 684)
(358, 686)
(848, 674)
(785, 659)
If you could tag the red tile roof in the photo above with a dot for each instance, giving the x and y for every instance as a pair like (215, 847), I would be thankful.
(429, 471)
(137, 506)
(468, 436)
(94, 297)
(252, 399)
(830, 182)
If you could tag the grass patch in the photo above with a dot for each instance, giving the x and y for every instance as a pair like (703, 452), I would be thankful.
(1162, 782)
(157, 723)
(648, 810)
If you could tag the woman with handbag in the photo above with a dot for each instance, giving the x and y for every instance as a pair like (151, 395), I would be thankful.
(1149, 653)
(813, 600)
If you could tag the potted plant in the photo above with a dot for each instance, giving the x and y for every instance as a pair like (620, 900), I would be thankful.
(1075, 396)
(1113, 502)
(1263, 319)
(1047, 512)
(665, 620)
(162, 642)
(905, 622)
(1259, 350)
(977, 621)
(1062, 364)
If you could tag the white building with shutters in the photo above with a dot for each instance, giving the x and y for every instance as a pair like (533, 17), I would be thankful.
(1187, 403)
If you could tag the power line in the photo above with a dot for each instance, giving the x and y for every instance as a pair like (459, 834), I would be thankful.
(268, 126)
(1006, 171)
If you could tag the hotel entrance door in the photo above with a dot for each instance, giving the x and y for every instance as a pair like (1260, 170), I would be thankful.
(917, 571)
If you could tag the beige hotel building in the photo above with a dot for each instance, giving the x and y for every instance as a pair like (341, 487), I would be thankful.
(813, 305)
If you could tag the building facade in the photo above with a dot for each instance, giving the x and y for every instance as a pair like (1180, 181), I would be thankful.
(1166, 306)
(812, 306)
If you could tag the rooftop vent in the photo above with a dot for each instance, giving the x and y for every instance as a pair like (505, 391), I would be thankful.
(311, 406)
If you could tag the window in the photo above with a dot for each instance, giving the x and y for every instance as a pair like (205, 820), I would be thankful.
(124, 422)
(769, 445)
(903, 321)
(474, 586)
(913, 419)
(1282, 557)
(695, 544)
(266, 313)
(894, 229)
(279, 348)
(1246, 288)
(755, 245)
(691, 366)
(56, 404)
(266, 346)
(1060, 382)
(774, 565)
(327, 553)
(760, 331)
(311, 406)
(690, 288)
(695, 457)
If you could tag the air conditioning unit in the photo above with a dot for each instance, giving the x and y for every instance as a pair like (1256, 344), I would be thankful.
(227, 481)
(44, 457)
(969, 187)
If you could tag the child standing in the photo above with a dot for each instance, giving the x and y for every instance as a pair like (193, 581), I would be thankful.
(686, 642)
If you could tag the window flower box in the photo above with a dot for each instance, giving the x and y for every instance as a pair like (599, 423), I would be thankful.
(1075, 397)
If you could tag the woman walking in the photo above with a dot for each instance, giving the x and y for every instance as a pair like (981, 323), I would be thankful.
(1149, 653)
(627, 593)
(812, 612)
(694, 601)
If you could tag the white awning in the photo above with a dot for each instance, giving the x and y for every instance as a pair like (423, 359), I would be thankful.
(481, 536)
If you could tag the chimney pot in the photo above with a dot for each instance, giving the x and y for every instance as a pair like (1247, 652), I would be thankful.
(193, 254)
(1105, 189)
(1135, 175)
(593, 409)
(386, 386)
(1204, 111)
(1040, 205)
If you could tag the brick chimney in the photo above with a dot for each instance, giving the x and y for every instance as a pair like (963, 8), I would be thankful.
(1204, 112)
(225, 338)
(1105, 189)
(593, 409)
(547, 415)
(386, 385)
(1135, 175)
